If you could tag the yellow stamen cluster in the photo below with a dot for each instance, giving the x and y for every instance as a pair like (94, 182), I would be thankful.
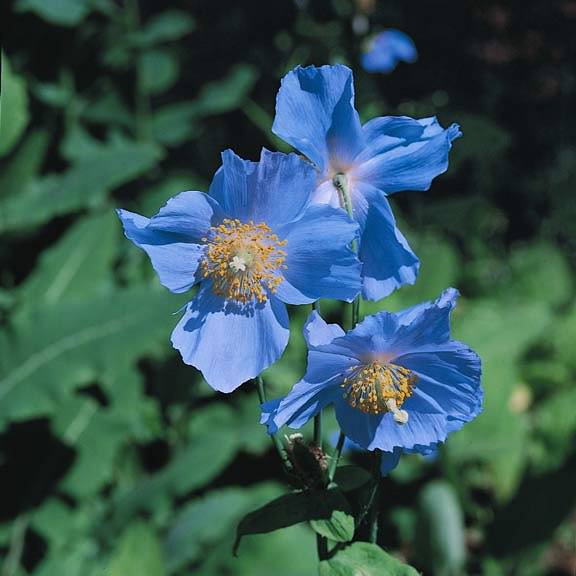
(243, 260)
(377, 388)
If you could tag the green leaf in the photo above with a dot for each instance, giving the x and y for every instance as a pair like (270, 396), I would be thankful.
(166, 26)
(364, 559)
(500, 335)
(440, 542)
(14, 115)
(159, 70)
(24, 165)
(339, 527)
(76, 341)
(78, 265)
(59, 12)
(291, 509)
(351, 477)
(84, 185)
(139, 553)
(205, 521)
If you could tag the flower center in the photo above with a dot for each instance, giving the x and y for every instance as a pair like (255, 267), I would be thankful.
(243, 260)
(377, 388)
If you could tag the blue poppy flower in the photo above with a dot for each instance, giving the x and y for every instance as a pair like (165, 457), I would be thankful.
(397, 381)
(315, 114)
(388, 48)
(254, 243)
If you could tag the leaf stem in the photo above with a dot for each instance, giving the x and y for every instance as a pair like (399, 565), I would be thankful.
(336, 456)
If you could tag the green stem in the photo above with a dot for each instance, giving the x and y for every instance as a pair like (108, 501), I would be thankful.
(340, 182)
(318, 417)
(374, 506)
(336, 456)
(275, 440)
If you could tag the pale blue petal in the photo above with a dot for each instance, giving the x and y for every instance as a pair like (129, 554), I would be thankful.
(317, 332)
(315, 114)
(275, 190)
(320, 262)
(174, 259)
(230, 344)
(409, 166)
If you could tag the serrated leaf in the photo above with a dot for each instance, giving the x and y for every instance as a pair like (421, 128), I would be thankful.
(138, 553)
(364, 559)
(440, 542)
(14, 114)
(84, 185)
(339, 527)
(60, 12)
(75, 341)
(78, 265)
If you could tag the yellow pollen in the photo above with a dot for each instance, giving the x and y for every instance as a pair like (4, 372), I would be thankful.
(377, 388)
(243, 260)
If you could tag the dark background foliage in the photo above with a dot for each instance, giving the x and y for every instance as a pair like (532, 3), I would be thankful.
(115, 458)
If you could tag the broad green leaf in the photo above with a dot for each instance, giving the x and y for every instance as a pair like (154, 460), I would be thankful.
(159, 70)
(138, 553)
(440, 542)
(205, 521)
(291, 509)
(84, 185)
(529, 264)
(166, 26)
(339, 527)
(563, 339)
(78, 265)
(351, 477)
(24, 165)
(500, 334)
(14, 115)
(59, 12)
(173, 124)
(74, 342)
(364, 559)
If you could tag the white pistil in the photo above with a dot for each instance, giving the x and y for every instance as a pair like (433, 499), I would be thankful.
(238, 264)
(400, 416)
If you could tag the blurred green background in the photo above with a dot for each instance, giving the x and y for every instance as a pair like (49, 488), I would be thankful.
(116, 458)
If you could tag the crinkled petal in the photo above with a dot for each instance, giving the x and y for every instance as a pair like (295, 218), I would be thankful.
(409, 166)
(320, 262)
(388, 261)
(173, 258)
(188, 215)
(228, 343)
(275, 190)
(315, 114)
(382, 432)
(451, 378)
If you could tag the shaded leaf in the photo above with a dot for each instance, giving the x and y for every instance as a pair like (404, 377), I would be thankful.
(339, 527)
(364, 559)
(166, 26)
(60, 12)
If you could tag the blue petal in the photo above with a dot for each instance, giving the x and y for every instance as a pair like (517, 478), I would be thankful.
(230, 344)
(275, 190)
(174, 259)
(409, 166)
(389, 461)
(388, 260)
(450, 377)
(315, 114)
(387, 49)
(381, 432)
(189, 215)
(317, 332)
(320, 262)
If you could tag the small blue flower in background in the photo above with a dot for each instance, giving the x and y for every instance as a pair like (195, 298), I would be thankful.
(388, 48)
(397, 381)
(315, 113)
(254, 243)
